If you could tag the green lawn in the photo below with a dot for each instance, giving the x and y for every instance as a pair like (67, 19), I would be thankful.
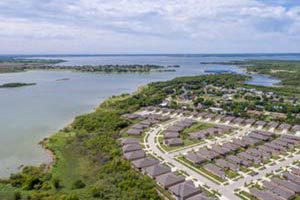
(196, 127)
(185, 136)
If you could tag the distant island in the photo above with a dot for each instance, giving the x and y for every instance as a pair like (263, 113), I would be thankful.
(132, 68)
(21, 65)
(14, 85)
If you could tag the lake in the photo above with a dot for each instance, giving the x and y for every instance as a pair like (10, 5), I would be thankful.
(29, 114)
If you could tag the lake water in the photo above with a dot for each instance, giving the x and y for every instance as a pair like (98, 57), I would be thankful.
(31, 113)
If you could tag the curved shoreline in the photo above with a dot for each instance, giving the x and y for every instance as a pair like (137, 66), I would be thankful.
(52, 154)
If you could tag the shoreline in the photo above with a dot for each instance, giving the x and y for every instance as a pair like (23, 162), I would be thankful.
(43, 142)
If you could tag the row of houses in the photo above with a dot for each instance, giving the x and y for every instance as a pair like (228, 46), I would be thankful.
(230, 119)
(283, 188)
(149, 120)
(260, 147)
(172, 133)
(216, 130)
(162, 174)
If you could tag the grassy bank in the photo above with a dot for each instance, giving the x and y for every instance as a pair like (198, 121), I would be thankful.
(89, 163)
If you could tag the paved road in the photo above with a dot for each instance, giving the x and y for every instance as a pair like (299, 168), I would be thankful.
(227, 191)
(199, 179)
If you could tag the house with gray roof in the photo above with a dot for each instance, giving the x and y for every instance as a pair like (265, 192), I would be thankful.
(144, 162)
(258, 136)
(296, 128)
(195, 158)
(125, 141)
(220, 149)
(265, 133)
(169, 134)
(134, 131)
(157, 170)
(291, 137)
(249, 122)
(284, 127)
(227, 165)
(291, 177)
(278, 190)
(269, 150)
(198, 135)
(184, 190)
(251, 140)
(238, 121)
(200, 196)
(208, 154)
(173, 142)
(274, 146)
(287, 184)
(138, 126)
(240, 142)
(215, 170)
(263, 195)
(296, 171)
(234, 159)
(231, 146)
(168, 180)
(228, 119)
(131, 147)
(135, 155)
(260, 123)
(273, 125)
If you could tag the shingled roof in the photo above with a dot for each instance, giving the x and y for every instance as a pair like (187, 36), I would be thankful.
(157, 170)
(184, 190)
(134, 155)
(170, 179)
(145, 162)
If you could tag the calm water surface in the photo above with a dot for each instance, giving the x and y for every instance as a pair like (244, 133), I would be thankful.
(29, 114)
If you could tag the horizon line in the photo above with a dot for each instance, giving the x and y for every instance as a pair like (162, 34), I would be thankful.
(143, 54)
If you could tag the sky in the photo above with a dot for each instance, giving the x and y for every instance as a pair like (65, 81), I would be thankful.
(149, 26)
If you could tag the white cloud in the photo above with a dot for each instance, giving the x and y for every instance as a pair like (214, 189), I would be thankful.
(143, 26)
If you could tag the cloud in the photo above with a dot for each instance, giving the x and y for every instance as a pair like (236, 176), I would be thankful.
(152, 26)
